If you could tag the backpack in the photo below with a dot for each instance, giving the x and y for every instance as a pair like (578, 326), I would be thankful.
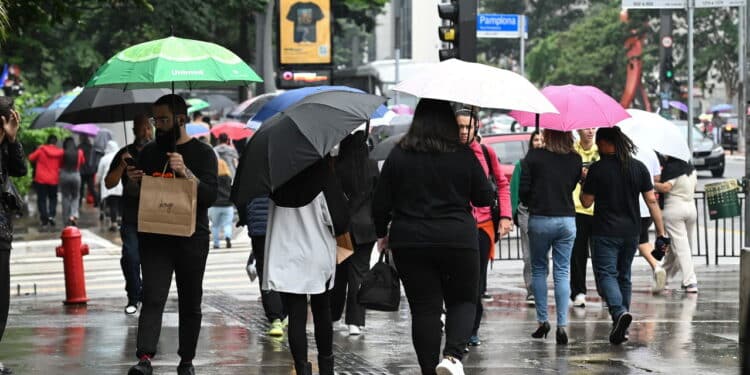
(495, 205)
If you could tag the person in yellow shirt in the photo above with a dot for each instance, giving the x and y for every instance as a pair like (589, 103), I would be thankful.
(584, 220)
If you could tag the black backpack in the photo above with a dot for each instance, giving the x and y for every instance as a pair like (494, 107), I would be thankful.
(495, 205)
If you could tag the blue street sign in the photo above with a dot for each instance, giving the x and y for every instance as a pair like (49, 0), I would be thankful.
(501, 25)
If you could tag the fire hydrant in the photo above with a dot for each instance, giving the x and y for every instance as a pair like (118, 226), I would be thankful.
(72, 252)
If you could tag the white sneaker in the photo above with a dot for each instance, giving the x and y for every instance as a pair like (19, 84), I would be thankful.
(450, 366)
(660, 279)
(580, 300)
(354, 330)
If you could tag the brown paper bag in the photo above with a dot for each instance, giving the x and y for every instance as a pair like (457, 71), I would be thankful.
(168, 206)
(344, 247)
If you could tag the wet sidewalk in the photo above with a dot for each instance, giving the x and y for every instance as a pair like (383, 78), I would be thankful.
(674, 333)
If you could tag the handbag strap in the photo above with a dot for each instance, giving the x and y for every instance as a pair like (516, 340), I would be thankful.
(487, 158)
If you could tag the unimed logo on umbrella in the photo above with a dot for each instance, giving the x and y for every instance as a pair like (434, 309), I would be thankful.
(176, 72)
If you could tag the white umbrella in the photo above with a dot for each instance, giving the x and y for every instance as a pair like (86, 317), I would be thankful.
(652, 131)
(477, 85)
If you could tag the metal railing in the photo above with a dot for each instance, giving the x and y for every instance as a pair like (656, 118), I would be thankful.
(718, 238)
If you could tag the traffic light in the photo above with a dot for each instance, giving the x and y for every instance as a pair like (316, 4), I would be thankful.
(459, 29)
(667, 67)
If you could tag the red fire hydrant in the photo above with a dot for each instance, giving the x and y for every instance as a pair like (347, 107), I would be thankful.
(72, 252)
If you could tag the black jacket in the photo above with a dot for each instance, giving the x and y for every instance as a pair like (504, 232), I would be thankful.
(12, 163)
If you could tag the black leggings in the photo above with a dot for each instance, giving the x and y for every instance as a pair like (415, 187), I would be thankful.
(296, 306)
(4, 289)
(431, 277)
(484, 258)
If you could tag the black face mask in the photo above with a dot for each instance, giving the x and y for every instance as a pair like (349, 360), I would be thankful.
(167, 139)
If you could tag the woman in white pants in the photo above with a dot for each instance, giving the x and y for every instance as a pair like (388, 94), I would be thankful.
(680, 216)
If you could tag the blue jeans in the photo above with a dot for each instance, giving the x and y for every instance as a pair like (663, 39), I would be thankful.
(558, 233)
(612, 258)
(221, 218)
(131, 261)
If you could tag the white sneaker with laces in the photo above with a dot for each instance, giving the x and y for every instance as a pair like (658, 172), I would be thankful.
(354, 330)
(660, 279)
(450, 366)
(580, 300)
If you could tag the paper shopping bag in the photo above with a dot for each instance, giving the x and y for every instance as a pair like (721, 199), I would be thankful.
(344, 247)
(168, 206)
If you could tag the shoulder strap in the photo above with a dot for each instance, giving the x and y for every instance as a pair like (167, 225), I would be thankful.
(488, 160)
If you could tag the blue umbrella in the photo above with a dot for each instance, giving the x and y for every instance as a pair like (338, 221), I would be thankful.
(722, 108)
(291, 97)
(196, 129)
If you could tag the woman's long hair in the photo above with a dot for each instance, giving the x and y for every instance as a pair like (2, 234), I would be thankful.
(352, 164)
(624, 146)
(558, 142)
(70, 155)
(433, 128)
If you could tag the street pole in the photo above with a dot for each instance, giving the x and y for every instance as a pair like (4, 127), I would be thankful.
(521, 29)
(742, 52)
(691, 15)
(397, 45)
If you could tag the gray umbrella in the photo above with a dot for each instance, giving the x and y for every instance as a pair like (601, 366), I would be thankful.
(383, 149)
(220, 104)
(104, 104)
(46, 119)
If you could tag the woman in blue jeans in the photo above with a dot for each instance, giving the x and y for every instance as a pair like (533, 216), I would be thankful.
(222, 211)
(548, 178)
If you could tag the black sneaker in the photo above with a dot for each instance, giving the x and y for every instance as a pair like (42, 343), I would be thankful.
(131, 308)
(229, 243)
(51, 222)
(142, 368)
(617, 336)
(185, 369)
(5, 370)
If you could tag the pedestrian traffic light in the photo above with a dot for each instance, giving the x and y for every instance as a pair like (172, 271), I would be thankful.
(459, 30)
(667, 68)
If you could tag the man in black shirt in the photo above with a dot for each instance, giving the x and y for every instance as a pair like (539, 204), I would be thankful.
(162, 254)
(130, 260)
(615, 182)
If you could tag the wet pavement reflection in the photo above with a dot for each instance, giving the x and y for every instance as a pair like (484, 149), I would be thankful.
(673, 333)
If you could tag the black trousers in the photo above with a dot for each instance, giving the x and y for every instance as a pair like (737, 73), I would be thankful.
(87, 180)
(484, 255)
(296, 305)
(580, 256)
(46, 200)
(272, 303)
(431, 277)
(112, 204)
(4, 289)
(160, 256)
(349, 276)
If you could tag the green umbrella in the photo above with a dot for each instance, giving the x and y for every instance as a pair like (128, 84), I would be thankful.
(195, 104)
(174, 62)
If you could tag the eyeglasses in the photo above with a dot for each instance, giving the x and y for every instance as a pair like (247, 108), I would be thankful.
(154, 121)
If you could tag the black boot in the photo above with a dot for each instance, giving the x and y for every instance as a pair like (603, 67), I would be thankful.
(325, 364)
(303, 368)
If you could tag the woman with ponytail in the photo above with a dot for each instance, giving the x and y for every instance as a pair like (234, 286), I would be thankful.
(615, 182)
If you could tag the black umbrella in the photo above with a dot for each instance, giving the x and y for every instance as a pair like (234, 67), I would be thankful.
(383, 149)
(296, 138)
(105, 104)
(46, 119)
(220, 104)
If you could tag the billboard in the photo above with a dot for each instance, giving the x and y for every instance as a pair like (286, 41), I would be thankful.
(305, 32)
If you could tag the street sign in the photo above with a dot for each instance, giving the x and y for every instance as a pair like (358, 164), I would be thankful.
(501, 26)
(666, 41)
(719, 3)
(654, 4)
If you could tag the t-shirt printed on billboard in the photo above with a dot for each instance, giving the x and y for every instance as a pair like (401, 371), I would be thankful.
(305, 16)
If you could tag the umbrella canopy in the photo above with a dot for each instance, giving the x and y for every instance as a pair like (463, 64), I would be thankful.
(104, 104)
(85, 129)
(649, 130)
(477, 85)
(722, 108)
(383, 149)
(291, 97)
(195, 105)
(297, 138)
(220, 103)
(46, 119)
(580, 107)
(65, 99)
(174, 62)
(233, 129)
(196, 130)
(247, 109)
(679, 105)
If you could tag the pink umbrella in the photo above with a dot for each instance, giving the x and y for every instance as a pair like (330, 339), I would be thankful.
(580, 107)
(233, 129)
(85, 129)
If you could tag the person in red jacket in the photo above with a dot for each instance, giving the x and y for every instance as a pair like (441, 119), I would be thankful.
(48, 159)
(467, 124)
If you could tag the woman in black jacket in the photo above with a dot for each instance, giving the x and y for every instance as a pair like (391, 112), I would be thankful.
(12, 163)
(425, 192)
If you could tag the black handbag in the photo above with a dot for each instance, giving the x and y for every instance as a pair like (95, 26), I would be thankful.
(380, 289)
(11, 199)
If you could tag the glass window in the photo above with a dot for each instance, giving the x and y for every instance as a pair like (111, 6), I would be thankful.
(509, 152)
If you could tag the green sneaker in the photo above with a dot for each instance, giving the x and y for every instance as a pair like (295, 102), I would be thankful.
(277, 329)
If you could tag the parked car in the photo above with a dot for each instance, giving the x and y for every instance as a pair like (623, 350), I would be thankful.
(509, 147)
(707, 154)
